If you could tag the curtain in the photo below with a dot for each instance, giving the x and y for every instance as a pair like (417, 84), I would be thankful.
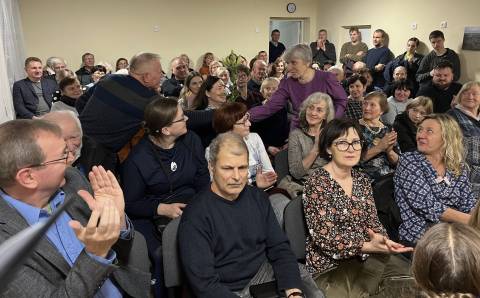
(12, 55)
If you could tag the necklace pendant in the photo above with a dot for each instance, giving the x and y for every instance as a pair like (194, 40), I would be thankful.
(173, 166)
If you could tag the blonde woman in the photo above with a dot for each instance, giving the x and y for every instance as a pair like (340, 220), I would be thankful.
(431, 184)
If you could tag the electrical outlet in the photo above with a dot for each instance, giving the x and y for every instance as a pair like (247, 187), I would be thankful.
(443, 24)
(257, 30)
(156, 28)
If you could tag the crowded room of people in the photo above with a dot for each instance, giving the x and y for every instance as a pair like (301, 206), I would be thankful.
(239, 149)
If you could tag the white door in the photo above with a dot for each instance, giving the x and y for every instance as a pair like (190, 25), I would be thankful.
(291, 31)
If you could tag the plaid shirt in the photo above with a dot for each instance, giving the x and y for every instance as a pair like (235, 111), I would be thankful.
(469, 125)
(472, 158)
(354, 109)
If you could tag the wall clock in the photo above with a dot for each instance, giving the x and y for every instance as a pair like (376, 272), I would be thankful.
(291, 7)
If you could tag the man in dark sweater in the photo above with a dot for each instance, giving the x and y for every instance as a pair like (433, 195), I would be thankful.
(323, 50)
(174, 85)
(439, 52)
(259, 73)
(377, 57)
(275, 47)
(441, 89)
(229, 238)
(84, 74)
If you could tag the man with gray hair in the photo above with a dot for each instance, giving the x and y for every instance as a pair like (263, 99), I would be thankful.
(174, 85)
(114, 112)
(78, 256)
(259, 73)
(86, 151)
(229, 237)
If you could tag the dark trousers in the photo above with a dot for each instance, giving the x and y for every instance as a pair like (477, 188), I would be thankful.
(154, 246)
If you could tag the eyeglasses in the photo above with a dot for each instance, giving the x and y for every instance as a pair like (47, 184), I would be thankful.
(244, 120)
(344, 145)
(46, 163)
(184, 118)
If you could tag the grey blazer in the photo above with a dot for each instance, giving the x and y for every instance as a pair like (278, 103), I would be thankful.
(47, 274)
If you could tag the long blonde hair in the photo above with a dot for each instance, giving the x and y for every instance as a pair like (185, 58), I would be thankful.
(453, 151)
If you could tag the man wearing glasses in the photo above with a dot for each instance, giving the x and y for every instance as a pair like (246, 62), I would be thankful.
(79, 254)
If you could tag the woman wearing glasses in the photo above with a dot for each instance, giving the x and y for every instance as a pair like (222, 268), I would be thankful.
(161, 174)
(234, 117)
(347, 248)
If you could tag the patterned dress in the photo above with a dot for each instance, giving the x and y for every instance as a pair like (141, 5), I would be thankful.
(378, 165)
(337, 224)
(422, 196)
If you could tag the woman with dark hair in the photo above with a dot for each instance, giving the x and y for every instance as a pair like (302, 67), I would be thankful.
(162, 174)
(121, 63)
(446, 261)
(357, 85)
(190, 89)
(70, 90)
(234, 117)
(347, 251)
(397, 103)
(211, 94)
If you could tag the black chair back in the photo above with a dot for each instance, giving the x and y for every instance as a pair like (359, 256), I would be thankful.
(296, 228)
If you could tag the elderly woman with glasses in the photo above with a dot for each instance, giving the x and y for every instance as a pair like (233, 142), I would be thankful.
(347, 249)
(162, 174)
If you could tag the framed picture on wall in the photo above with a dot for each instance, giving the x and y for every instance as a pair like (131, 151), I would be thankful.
(471, 39)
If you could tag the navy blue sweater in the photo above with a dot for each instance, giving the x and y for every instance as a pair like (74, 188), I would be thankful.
(378, 56)
(223, 243)
(145, 183)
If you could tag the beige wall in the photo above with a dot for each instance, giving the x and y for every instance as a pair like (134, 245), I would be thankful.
(115, 28)
(395, 17)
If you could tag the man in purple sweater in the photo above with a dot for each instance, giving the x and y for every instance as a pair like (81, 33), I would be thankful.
(301, 82)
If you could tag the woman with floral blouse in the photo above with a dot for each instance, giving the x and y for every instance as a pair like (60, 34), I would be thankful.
(347, 248)
(431, 183)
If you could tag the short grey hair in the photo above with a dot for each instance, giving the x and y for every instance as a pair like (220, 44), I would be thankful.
(19, 147)
(315, 98)
(140, 60)
(59, 116)
(235, 143)
(52, 61)
(299, 51)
